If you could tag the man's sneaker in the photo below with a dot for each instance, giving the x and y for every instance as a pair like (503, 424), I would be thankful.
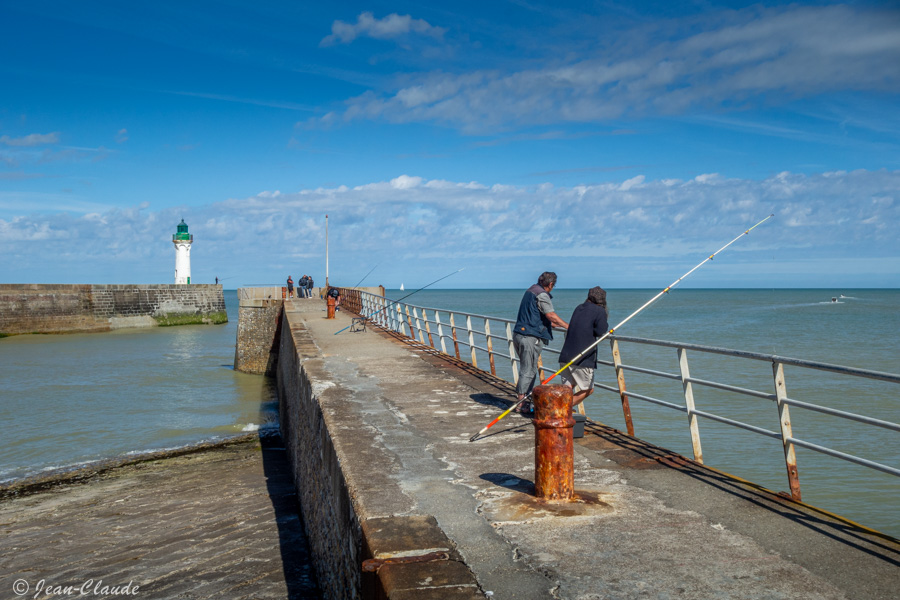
(526, 409)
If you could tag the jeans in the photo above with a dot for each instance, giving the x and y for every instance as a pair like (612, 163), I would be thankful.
(528, 349)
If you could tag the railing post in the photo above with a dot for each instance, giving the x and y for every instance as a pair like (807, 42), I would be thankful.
(453, 333)
(689, 404)
(620, 380)
(471, 340)
(440, 327)
(418, 326)
(412, 332)
(427, 328)
(790, 456)
(513, 362)
(490, 345)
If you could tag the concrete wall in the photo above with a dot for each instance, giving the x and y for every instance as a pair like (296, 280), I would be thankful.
(59, 308)
(332, 525)
(258, 331)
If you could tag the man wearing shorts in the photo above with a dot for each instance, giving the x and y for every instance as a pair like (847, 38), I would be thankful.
(588, 322)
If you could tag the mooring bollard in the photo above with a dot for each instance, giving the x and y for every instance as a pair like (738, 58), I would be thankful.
(554, 466)
(330, 307)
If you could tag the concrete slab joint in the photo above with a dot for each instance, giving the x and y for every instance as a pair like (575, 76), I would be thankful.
(412, 557)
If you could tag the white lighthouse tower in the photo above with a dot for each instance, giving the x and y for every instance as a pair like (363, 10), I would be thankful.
(182, 241)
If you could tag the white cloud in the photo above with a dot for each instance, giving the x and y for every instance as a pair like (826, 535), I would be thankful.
(389, 27)
(413, 224)
(742, 57)
(34, 139)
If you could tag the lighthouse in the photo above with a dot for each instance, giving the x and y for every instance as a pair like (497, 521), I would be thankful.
(182, 241)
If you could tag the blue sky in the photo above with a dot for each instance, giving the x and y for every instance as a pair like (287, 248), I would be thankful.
(616, 143)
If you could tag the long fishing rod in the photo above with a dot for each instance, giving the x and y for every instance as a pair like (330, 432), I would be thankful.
(610, 332)
(370, 315)
(366, 275)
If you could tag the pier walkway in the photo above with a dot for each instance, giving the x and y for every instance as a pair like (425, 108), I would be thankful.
(650, 524)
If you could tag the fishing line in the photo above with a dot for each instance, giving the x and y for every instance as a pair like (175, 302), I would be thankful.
(366, 275)
(610, 332)
(370, 315)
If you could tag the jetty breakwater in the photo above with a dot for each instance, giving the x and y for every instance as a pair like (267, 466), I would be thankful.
(398, 503)
(66, 308)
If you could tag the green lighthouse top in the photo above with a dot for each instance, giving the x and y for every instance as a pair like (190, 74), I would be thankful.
(182, 233)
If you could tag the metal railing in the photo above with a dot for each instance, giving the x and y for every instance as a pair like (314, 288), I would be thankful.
(448, 331)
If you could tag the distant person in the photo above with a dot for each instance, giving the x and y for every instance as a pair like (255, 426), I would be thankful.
(217, 281)
(290, 285)
(533, 331)
(309, 287)
(588, 322)
(301, 288)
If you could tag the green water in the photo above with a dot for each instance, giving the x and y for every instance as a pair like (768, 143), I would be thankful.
(68, 400)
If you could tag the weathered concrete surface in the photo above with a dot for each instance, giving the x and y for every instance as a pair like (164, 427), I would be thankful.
(221, 523)
(649, 524)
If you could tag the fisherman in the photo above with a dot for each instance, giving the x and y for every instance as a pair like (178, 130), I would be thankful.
(533, 331)
(290, 286)
(336, 294)
(588, 322)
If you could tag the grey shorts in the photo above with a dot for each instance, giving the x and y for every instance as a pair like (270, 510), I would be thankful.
(580, 377)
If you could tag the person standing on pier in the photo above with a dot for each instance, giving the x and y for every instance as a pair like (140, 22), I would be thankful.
(309, 287)
(534, 329)
(301, 286)
(290, 286)
(588, 322)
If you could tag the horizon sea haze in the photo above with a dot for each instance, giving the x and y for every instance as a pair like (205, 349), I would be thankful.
(70, 400)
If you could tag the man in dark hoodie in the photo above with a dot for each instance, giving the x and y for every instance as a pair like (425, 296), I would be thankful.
(533, 331)
(588, 322)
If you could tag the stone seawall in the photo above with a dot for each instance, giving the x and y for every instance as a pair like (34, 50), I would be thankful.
(336, 536)
(62, 308)
(258, 330)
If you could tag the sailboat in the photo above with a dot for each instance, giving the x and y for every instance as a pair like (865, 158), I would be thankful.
(401, 287)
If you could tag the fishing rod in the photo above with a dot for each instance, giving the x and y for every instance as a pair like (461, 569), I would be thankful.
(366, 275)
(610, 332)
(370, 315)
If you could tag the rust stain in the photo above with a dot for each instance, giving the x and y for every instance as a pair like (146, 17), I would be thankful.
(523, 507)
(373, 564)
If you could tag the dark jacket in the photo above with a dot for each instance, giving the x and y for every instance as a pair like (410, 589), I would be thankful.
(530, 320)
(587, 324)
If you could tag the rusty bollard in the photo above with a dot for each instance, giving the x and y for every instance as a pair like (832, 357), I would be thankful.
(330, 307)
(554, 467)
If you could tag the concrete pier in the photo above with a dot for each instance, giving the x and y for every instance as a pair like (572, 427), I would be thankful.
(386, 423)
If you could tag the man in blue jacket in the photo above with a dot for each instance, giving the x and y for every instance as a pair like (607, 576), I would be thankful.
(588, 322)
(533, 331)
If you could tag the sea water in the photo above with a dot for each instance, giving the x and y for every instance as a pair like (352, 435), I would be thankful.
(69, 400)
(858, 329)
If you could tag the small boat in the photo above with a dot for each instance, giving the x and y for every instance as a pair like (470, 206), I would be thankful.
(401, 287)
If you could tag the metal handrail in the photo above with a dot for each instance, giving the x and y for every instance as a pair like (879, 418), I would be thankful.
(413, 321)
